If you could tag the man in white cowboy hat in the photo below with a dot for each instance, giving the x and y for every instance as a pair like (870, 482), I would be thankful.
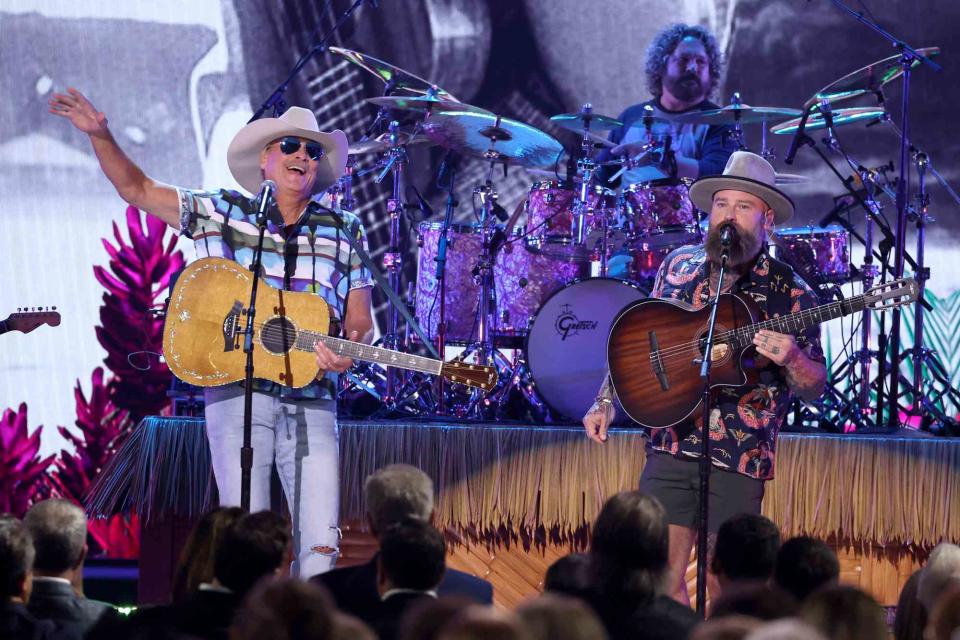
(744, 421)
(305, 249)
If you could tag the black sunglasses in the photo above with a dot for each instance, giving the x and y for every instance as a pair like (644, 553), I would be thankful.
(291, 145)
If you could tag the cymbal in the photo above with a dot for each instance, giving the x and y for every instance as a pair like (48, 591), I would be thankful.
(869, 78)
(732, 114)
(790, 178)
(492, 137)
(423, 104)
(392, 75)
(840, 118)
(382, 143)
(579, 121)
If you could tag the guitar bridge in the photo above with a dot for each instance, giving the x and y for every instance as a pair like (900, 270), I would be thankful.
(656, 362)
(231, 326)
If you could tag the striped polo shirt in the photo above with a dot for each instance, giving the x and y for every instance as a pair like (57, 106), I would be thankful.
(313, 255)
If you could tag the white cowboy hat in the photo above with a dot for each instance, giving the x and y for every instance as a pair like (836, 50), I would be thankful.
(747, 172)
(243, 154)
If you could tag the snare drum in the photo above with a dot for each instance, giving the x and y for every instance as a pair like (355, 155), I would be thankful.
(819, 254)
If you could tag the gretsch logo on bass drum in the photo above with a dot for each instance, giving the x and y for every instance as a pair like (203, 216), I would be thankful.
(568, 324)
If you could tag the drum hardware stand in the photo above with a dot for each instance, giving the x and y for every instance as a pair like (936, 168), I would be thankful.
(441, 277)
(908, 55)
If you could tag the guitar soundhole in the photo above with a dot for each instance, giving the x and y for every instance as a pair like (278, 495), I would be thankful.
(278, 335)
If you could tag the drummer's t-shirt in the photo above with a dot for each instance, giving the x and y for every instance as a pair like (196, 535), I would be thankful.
(710, 145)
(746, 420)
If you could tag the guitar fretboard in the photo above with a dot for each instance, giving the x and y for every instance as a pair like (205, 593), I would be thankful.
(796, 322)
(359, 351)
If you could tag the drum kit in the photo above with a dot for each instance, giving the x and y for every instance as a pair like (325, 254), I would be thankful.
(535, 293)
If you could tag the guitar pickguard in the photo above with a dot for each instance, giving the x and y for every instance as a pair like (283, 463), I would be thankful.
(231, 326)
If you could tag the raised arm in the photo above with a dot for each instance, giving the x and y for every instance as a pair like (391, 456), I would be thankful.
(131, 183)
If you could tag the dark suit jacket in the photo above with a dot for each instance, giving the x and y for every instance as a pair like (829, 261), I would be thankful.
(202, 614)
(389, 613)
(17, 623)
(355, 588)
(56, 601)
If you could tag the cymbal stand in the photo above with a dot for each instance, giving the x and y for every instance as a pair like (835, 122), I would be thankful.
(737, 134)
(585, 169)
(396, 158)
(925, 401)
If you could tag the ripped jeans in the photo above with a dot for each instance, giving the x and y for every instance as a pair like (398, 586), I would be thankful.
(301, 436)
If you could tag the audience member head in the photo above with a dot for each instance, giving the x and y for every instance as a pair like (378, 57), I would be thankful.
(396, 493)
(942, 568)
(732, 627)
(629, 549)
(945, 616)
(844, 613)
(347, 627)
(484, 623)
(786, 629)
(754, 599)
(555, 617)
(256, 545)
(570, 575)
(746, 548)
(16, 560)
(911, 616)
(285, 610)
(424, 619)
(804, 565)
(412, 556)
(195, 566)
(59, 532)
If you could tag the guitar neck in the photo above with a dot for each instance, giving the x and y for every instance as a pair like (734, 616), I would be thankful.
(797, 322)
(368, 353)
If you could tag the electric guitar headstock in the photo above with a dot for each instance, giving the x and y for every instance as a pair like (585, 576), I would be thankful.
(473, 375)
(890, 295)
(28, 319)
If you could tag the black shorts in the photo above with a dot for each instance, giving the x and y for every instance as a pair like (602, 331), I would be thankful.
(676, 484)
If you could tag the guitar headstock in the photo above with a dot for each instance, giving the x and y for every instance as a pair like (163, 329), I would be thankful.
(890, 295)
(26, 320)
(473, 375)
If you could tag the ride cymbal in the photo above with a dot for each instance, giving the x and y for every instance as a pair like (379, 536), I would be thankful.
(492, 137)
(840, 117)
(870, 78)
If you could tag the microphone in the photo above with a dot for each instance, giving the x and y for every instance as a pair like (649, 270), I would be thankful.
(267, 189)
(726, 235)
(827, 111)
(426, 211)
(449, 164)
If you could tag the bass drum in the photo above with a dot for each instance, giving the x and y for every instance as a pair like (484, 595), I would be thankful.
(567, 343)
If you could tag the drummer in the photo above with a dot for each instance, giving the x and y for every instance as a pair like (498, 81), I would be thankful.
(682, 69)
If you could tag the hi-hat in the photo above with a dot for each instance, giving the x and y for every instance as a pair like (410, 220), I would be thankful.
(492, 137)
(382, 143)
(391, 75)
(580, 121)
(734, 113)
(423, 104)
(870, 78)
(840, 118)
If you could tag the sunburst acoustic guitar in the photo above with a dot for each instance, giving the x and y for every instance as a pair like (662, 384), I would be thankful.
(656, 347)
(206, 318)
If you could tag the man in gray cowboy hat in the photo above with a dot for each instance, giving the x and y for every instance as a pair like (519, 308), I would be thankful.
(305, 249)
(744, 421)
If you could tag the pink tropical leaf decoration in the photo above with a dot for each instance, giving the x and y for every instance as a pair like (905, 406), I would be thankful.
(100, 429)
(21, 468)
(136, 282)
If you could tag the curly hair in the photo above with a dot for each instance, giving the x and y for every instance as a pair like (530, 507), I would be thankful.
(663, 46)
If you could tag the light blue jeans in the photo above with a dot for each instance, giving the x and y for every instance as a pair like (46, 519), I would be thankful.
(301, 437)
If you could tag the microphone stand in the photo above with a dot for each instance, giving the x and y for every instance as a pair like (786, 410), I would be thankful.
(441, 272)
(275, 101)
(706, 365)
(246, 451)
